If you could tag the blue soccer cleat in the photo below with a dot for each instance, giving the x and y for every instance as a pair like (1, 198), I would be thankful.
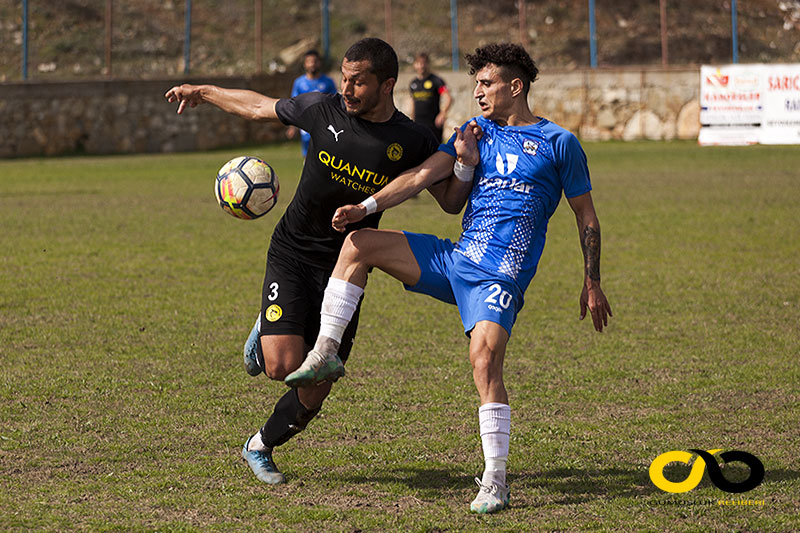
(262, 465)
(253, 361)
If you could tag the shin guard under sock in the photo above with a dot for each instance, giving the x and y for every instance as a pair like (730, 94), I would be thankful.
(289, 418)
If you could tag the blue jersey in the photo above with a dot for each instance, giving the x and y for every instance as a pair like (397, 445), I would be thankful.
(323, 84)
(303, 85)
(518, 184)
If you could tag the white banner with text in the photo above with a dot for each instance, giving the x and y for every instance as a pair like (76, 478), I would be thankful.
(749, 104)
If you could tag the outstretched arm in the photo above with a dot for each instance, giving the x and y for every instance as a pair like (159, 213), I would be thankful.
(434, 169)
(432, 173)
(592, 296)
(244, 103)
(452, 194)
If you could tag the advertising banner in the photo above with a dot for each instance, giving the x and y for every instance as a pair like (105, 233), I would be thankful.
(731, 106)
(748, 104)
(781, 121)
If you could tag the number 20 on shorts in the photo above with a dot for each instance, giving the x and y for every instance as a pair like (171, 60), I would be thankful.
(498, 296)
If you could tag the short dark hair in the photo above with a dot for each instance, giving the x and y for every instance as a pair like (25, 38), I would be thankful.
(422, 55)
(513, 60)
(313, 52)
(381, 56)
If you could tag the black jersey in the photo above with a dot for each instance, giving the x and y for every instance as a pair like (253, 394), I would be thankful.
(349, 159)
(426, 92)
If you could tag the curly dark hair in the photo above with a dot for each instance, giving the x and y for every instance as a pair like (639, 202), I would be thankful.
(513, 60)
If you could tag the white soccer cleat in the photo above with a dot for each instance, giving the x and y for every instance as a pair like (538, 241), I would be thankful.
(315, 369)
(490, 498)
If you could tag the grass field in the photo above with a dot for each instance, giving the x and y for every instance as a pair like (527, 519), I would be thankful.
(126, 294)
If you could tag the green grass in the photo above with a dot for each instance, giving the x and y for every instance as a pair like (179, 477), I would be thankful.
(126, 294)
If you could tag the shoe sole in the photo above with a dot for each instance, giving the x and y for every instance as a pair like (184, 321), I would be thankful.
(487, 511)
(251, 366)
(308, 381)
(251, 356)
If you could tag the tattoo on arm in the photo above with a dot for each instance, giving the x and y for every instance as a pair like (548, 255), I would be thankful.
(590, 242)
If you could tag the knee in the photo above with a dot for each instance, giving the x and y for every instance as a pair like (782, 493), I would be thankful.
(486, 361)
(282, 355)
(276, 368)
(358, 245)
(481, 364)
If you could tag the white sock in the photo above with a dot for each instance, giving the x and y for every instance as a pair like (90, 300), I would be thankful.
(338, 306)
(495, 422)
(256, 443)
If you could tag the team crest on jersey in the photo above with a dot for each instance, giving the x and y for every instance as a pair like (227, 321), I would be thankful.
(530, 147)
(273, 313)
(428, 84)
(394, 152)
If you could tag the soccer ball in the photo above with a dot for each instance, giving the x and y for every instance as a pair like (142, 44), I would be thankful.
(246, 187)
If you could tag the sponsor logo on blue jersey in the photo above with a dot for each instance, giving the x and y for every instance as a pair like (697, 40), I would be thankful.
(504, 169)
(499, 183)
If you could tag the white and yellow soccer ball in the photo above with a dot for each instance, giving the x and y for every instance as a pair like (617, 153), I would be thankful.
(246, 187)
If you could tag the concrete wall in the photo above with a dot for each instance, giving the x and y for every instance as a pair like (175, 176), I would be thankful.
(102, 117)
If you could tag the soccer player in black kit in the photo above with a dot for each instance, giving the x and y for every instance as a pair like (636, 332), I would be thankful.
(430, 96)
(359, 142)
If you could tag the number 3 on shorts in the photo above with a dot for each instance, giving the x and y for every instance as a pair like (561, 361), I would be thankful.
(498, 296)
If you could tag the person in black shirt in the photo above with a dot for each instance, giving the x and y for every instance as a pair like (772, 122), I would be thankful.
(359, 143)
(430, 96)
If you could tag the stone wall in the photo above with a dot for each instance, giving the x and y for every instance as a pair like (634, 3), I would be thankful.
(101, 117)
(601, 104)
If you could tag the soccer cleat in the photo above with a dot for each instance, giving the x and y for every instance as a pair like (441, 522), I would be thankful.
(253, 363)
(315, 369)
(490, 499)
(262, 465)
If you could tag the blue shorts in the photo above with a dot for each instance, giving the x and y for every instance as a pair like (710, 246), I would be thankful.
(449, 276)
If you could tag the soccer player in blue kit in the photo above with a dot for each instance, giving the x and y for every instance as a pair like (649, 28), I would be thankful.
(313, 80)
(511, 179)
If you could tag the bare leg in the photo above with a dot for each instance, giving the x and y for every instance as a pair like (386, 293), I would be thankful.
(486, 352)
(363, 249)
(282, 355)
(387, 250)
(487, 349)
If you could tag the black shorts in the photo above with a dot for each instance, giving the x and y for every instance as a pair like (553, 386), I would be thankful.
(291, 299)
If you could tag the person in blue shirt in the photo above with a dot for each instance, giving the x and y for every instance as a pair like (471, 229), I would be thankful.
(510, 168)
(312, 80)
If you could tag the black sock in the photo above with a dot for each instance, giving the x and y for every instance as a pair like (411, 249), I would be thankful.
(289, 418)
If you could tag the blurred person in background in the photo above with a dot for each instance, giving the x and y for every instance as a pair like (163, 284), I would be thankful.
(431, 98)
(313, 80)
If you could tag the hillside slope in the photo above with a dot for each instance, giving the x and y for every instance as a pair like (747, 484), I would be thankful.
(66, 38)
